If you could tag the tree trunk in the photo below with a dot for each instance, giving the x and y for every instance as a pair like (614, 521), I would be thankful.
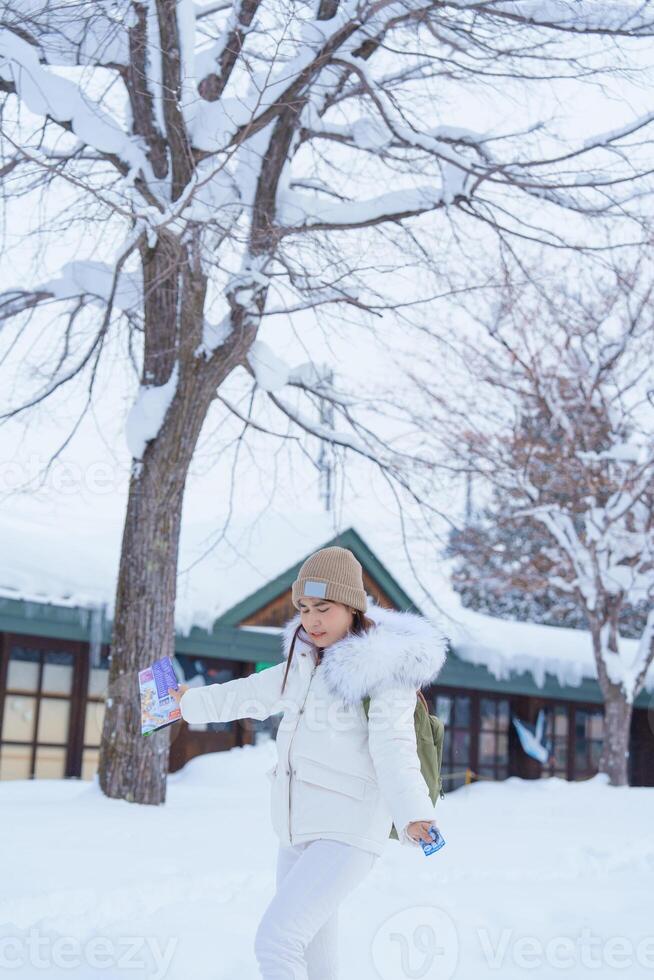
(132, 767)
(614, 758)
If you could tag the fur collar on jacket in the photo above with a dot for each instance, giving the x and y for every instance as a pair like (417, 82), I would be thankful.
(402, 649)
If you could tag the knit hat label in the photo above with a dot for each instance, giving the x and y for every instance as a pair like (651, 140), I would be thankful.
(317, 589)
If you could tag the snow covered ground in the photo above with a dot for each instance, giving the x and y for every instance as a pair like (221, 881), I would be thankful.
(537, 879)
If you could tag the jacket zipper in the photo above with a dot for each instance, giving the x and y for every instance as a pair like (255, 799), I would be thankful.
(290, 764)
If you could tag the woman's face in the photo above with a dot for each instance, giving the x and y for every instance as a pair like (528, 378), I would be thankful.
(325, 621)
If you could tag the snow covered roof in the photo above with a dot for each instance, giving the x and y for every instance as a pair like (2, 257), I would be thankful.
(508, 647)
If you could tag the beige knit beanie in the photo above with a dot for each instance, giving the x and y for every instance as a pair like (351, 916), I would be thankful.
(331, 573)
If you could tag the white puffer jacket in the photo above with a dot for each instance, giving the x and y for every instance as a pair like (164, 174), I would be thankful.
(338, 775)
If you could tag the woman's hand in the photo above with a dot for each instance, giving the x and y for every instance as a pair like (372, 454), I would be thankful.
(177, 694)
(419, 830)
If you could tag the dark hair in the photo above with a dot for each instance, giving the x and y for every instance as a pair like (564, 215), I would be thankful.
(360, 624)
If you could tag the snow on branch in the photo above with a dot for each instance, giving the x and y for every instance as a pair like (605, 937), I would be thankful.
(203, 10)
(95, 280)
(576, 16)
(272, 373)
(148, 412)
(604, 139)
(87, 282)
(644, 657)
(624, 452)
(228, 121)
(297, 211)
(326, 433)
(93, 33)
(214, 336)
(214, 65)
(60, 99)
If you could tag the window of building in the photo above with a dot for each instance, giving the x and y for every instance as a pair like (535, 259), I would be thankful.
(476, 735)
(574, 734)
(454, 711)
(94, 715)
(588, 737)
(36, 709)
(493, 752)
(556, 734)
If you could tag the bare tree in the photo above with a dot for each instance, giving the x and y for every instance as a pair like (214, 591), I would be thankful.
(234, 151)
(561, 429)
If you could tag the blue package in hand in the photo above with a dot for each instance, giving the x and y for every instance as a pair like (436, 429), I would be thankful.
(437, 841)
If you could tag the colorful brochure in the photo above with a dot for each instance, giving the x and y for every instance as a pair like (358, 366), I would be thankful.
(158, 708)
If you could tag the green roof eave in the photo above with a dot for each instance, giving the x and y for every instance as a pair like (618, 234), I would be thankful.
(28, 617)
(48, 619)
(272, 590)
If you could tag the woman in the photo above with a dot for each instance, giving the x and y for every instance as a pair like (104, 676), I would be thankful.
(341, 781)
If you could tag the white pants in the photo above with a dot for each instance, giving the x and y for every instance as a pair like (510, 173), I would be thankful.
(297, 938)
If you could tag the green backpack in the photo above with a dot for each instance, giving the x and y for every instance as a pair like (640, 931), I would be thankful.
(430, 734)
